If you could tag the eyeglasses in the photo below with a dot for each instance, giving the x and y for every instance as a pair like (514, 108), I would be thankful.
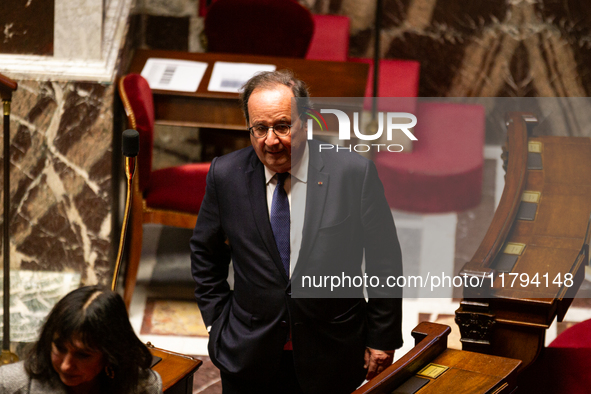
(261, 131)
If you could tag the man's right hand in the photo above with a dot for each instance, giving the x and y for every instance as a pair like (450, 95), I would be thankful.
(376, 361)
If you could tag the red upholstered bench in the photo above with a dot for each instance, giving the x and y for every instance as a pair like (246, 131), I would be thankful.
(330, 40)
(444, 171)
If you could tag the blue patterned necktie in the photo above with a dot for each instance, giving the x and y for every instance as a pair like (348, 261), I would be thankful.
(280, 220)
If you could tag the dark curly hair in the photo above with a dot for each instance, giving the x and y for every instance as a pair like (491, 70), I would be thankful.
(98, 318)
(269, 79)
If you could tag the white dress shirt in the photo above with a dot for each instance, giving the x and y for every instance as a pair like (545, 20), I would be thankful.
(296, 187)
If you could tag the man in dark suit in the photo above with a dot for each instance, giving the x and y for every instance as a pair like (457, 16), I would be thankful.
(262, 338)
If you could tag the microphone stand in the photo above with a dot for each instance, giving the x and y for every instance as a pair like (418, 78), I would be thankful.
(130, 146)
(7, 86)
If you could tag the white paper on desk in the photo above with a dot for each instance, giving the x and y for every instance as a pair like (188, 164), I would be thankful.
(229, 77)
(172, 74)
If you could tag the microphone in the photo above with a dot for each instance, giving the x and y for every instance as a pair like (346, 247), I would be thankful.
(130, 145)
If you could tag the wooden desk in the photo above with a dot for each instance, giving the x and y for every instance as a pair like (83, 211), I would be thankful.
(510, 319)
(467, 372)
(221, 110)
(176, 370)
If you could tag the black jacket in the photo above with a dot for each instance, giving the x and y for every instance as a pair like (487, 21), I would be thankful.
(346, 214)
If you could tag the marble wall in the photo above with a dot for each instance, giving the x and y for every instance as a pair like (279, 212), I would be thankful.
(65, 137)
(26, 27)
(78, 29)
(61, 28)
(61, 180)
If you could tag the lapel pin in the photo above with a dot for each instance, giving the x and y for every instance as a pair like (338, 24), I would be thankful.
(320, 183)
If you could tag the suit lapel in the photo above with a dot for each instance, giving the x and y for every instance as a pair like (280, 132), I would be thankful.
(318, 183)
(255, 183)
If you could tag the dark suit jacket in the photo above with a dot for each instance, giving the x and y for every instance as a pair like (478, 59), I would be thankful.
(346, 212)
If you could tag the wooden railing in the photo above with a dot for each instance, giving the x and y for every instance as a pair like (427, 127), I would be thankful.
(534, 253)
(509, 204)
(430, 341)
(435, 369)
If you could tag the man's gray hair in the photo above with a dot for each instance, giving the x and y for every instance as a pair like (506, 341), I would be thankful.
(269, 79)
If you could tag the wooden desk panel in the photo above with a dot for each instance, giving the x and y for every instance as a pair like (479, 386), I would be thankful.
(459, 381)
(176, 370)
(472, 373)
(567, 154)
(468, 372)
(221, 110)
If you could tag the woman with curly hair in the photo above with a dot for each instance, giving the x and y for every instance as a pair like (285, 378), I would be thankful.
(87, 345)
